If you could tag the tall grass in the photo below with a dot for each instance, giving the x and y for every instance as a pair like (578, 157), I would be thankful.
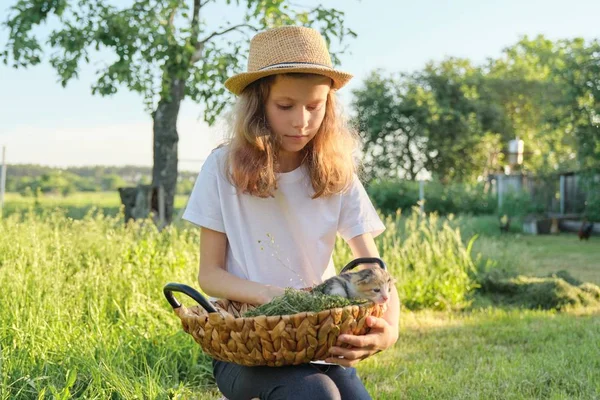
(82, 312)
(426, 255)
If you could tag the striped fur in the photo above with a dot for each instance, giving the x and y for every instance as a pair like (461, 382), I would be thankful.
(373, 284)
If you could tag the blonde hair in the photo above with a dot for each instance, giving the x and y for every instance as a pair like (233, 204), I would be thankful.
(329, 156)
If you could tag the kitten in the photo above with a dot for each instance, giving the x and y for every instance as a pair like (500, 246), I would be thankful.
(373, 284)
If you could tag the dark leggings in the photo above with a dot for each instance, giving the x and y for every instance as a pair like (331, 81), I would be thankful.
(306, 381)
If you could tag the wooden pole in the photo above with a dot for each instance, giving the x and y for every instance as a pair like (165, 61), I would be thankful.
(563, 194)
(500, 191)
(161, 207)
(2, 179)
(422, 196)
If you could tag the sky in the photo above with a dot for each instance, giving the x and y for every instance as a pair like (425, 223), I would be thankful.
(43, 123)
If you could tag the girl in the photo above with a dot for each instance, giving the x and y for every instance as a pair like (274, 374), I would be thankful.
(271, 201)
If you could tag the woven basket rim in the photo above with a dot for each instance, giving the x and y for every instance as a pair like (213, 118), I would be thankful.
(367, 304)
(273, 340)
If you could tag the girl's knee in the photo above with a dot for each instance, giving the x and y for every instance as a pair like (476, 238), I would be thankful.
(314, 387)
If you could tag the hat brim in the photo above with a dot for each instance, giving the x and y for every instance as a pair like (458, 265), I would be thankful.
(237, 83)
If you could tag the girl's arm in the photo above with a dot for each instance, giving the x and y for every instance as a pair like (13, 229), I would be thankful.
(364, 246)
(217, 282)
(384, 331)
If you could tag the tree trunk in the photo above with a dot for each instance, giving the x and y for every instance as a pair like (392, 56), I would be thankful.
(166, 138)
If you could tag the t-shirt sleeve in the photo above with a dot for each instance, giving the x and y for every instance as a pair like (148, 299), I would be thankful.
(358, 215)
(204, 205)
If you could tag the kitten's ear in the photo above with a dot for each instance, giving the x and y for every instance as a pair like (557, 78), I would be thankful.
(364, 276)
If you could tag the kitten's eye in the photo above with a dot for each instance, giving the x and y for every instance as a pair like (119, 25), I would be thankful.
(377, 290)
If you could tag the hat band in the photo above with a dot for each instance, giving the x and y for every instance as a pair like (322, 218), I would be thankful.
(294, 65)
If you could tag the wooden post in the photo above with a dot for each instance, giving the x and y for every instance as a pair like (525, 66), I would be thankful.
(562, 194)
(142, 200)
(500, 190)
(161, 207)
(2, 180)
(137, 201)
(422, 196)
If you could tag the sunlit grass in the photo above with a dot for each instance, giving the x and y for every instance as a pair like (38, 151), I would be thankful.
(496, 354)
(544, 254)
(82, 299)
(75, 205)
(83, 316)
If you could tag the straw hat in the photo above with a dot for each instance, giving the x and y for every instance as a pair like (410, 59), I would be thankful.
(285, 50)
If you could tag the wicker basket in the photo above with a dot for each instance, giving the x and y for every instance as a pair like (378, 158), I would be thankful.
(275, 340)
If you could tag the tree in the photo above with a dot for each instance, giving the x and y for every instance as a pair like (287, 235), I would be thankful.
(56, 182)
(459, 127)
(581, 74)
(391, 129)
(430, 120)
(111, 182)
(164, 51)
(550, 91)
(454, 120)
(525, 81)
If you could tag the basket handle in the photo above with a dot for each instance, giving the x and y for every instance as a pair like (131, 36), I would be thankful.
(364, 260)
(185, 289)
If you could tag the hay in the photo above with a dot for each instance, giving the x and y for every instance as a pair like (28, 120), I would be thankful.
(556, 291)
(295, 301)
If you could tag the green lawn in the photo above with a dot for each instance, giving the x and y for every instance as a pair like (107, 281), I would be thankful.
(96, 199)
(495, 353)
(490, 354)
(487, 354)
(545, 254)
(83, 316)
(76, 204)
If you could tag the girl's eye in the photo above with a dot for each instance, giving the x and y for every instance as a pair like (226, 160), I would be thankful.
(313, 108)
(376, 290)
(284, 107)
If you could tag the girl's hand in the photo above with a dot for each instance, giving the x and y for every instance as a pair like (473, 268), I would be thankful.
(381, 337)
(271, 292)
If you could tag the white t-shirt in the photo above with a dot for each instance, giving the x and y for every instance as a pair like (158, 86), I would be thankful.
(287, 240)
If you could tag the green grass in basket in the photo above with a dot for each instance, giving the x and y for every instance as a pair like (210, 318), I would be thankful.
(296, 301)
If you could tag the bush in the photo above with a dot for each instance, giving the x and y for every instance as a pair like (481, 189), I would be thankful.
(519, 204)
(392, 195)
(432, 266)
(592, 206)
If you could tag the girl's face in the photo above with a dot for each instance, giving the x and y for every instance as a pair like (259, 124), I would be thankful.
(295, 109)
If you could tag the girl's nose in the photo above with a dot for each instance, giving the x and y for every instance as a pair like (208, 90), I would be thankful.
(301, 118)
